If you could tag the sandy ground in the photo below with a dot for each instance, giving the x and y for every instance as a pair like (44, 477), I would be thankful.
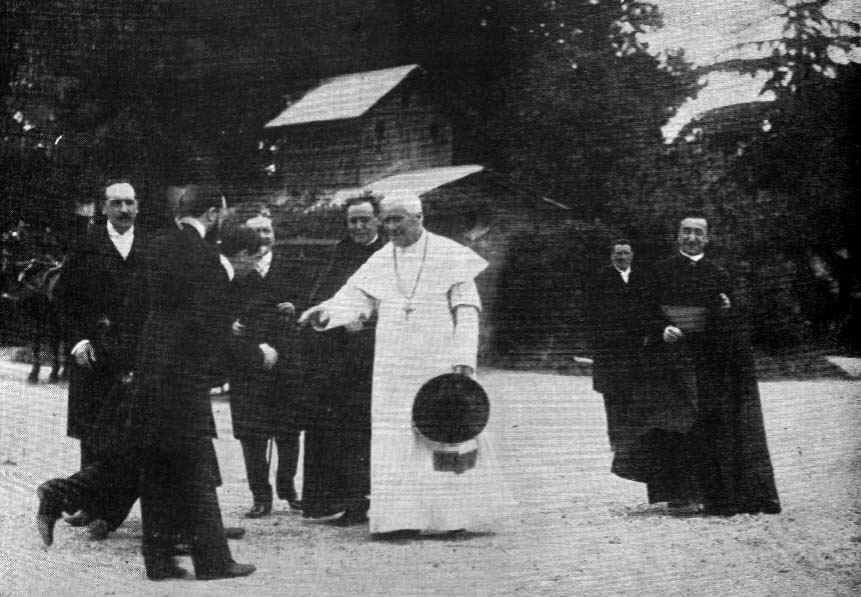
(575, 530)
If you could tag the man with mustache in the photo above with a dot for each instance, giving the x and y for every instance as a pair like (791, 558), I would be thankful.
(104, 302)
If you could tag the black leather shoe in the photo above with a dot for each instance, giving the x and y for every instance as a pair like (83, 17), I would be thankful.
(259, 510)
(164, 569)
(234, 532)
(99, 530)
(351, 518)
(78, 519)
(47, 515)
(232, 570)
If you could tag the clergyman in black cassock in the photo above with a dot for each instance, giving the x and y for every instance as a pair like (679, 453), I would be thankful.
(337, 380)
(722, 462)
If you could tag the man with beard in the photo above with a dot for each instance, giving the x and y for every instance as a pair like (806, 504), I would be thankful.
(185, 332)
(338, 369)
(721, 465)
(262, 412)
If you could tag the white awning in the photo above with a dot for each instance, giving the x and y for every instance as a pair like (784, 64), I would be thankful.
(341, 97)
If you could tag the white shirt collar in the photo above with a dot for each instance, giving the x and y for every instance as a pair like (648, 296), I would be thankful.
(264, 263)
(372, 242)
(228, 267)
(693, 257)
(114, 233)
(122, 241)
(194, 223)
(625, 273)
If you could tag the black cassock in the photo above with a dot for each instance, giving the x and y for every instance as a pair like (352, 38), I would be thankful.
(722, 460)
(337, 376)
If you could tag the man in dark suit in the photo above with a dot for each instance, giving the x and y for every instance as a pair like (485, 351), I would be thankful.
(261, 410)
(112, 479)
(623, 318)
(185, 332)
(721, 465)
(104, 302)
(338, 371)
(631, 368)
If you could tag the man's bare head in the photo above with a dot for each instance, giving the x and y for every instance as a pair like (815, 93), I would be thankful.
(401, 214)
(693, 235)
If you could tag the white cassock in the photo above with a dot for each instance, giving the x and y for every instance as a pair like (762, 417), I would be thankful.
(415, 291)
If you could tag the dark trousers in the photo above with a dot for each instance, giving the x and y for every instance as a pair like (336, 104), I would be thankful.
(105, 489)
(178, 499)
(106, 486)
(255, 452)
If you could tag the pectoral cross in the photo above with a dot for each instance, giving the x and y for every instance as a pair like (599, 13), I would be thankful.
(408, 308)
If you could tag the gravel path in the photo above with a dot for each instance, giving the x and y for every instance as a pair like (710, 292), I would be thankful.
(576, 529)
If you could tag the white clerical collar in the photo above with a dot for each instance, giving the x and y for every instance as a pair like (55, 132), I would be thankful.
(625, 273)
(194, 223)
(694, 258)
(114, 233)
(376, 236)
(264, 263)
(414, 248)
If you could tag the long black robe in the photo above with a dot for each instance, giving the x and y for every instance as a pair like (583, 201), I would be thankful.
(723, 460)
(337, 380)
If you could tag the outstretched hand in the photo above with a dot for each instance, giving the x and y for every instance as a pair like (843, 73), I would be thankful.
(316, 316)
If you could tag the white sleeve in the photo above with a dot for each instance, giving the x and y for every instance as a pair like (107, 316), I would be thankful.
(465, 335)
(349, 305)
(464, 293)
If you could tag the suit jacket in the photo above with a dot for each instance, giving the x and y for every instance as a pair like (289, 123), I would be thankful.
(185, 331)
(623, 320)
(103, 299)
(263, 403)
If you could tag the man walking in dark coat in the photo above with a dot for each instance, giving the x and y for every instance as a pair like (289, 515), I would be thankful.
(94, 487)
(103, 290)
(261, 410)
(339, 367)
(721, 465)
(184, 335)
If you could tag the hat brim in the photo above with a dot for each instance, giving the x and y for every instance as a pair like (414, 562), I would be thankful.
(451, 409)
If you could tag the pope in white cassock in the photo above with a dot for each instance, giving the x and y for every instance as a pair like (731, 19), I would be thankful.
(422, 287)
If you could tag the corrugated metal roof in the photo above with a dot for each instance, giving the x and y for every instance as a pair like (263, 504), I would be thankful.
(345, 96)
(422, 181)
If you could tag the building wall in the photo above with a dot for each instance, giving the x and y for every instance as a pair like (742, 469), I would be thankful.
(407, 130)
(324, 155)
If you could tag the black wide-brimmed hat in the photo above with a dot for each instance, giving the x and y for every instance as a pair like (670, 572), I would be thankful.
(451, 409)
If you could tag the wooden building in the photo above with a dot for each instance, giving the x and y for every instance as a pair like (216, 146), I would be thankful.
(354, 129)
